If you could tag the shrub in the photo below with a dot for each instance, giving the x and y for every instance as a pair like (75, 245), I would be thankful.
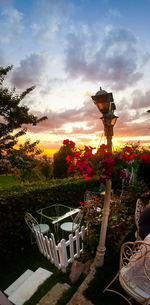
(13, 204)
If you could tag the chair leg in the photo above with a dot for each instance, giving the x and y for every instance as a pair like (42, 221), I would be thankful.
(116, 292)
(121, 295)
(113, 280)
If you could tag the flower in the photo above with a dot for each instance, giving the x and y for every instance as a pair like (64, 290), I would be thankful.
(68, 158)
(145, 158)
(128, 149)
(65, 141)
(109, 160)
(71, 169)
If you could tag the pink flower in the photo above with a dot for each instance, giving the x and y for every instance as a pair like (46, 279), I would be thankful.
(90, 171)
(109, 160)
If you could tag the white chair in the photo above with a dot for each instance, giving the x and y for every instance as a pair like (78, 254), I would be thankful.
(33, 224)
(134, 271)
(74, 225)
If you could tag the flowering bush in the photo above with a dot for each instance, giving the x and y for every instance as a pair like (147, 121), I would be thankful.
(92, 210)
(120, 221)
(121, 166)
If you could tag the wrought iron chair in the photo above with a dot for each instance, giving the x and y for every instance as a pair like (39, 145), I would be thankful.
(138, 211)
(33, 224)
(74, 225)
(134, 271)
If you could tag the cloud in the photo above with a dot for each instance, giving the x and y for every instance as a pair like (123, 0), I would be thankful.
(85, 121)
(2, 58)
(10, 24)
(140, 100)
(30, 70)
(50, 18)
(114, 61)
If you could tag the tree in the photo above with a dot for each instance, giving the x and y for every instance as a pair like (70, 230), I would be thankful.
(60, 164)
(24, 156)
(13, 115)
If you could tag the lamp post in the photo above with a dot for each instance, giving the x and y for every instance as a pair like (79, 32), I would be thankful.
(105, 103)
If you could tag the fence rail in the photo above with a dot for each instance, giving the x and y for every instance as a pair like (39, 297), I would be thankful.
(64, 252)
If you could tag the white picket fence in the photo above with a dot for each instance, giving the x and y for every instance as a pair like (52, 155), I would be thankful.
(65, 252)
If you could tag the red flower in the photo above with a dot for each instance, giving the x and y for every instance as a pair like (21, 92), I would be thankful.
(133, 155)
(66, 141)
(108, 154)
(71, 169)
(87, 177)
(72, 144)
(68, 158)
(123, 174)
(77, 154)
(143, 156)
(103, 146)
(128, 148)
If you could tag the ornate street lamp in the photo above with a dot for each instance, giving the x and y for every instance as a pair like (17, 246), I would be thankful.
(105, 103)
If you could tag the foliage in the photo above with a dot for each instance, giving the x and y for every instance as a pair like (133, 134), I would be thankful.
(122, 166)
(13, 114)
(121, 220)
(92, 211)
(60, 164)
(16, 201)
(46, 167)
(5, 166)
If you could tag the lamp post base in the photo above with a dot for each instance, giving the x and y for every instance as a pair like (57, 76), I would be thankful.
(99, 258)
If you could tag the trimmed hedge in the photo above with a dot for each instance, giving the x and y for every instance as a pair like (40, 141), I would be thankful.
(14, 232)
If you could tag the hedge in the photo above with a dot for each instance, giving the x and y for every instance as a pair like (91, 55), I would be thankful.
(14, 232)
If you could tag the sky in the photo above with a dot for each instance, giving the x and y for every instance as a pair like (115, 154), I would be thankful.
(69, 49)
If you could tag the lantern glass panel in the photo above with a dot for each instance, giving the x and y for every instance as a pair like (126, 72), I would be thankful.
(113, 120)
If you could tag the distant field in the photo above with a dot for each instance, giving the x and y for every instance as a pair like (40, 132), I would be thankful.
(7, 182)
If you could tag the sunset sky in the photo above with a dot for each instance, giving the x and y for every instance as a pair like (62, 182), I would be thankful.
(68, 49)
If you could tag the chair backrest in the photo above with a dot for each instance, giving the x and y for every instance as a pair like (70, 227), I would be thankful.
(138, 211)
(134, 266)
(77, 221)
(31, 221)
(87, 196)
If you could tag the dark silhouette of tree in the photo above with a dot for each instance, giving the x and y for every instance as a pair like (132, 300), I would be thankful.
(13, 115)
(60, 164)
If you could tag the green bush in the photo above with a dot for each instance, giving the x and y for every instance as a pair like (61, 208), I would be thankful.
(14, 203)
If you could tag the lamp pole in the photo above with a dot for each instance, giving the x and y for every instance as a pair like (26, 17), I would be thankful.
(106, 106)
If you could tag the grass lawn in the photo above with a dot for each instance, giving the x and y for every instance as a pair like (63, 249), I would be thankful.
(6, 182)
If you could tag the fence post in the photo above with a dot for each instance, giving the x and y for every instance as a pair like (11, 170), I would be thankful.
(63, 255)
(71, 247)
(77, 242)
(56, 260)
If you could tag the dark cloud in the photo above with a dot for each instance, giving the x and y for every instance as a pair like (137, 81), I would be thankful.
(115, 61)
(29, 71)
